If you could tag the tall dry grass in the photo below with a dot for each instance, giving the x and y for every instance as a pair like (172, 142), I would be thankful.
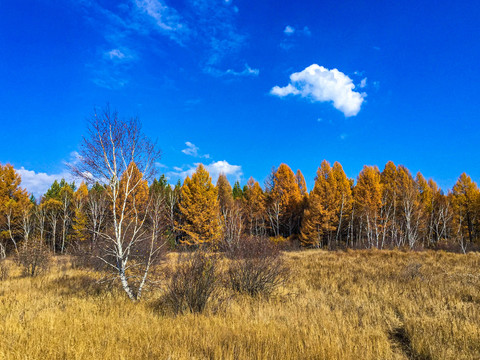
(338, 305)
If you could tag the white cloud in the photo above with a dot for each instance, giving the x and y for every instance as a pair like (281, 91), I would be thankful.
(363, 83)
(289, 30)
(116, 54)
(292, 35)
(160, 165)
(223, 167)
(284, 91)
(248, 71)
(208, 27)
(320, 84)
(215, 169)
(39, 183)
(166, 18)
(192, 150)
(120, 55)
(74, 159)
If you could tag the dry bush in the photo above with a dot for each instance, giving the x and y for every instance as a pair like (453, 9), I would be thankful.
(193, 281)
(34, 259)
(257, 267)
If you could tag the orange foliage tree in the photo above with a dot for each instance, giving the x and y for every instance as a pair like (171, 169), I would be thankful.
(199, 209)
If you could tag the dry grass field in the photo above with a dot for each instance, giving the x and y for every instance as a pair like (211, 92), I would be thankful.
(337, 305)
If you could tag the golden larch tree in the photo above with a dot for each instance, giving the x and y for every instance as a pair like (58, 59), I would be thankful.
(368, 202)
(199, 209)
(328, 205)
(12, 196)
(285, 202)
(254, 208)
(133, 195)
(343, 193)
(465, 199)
(80, 217)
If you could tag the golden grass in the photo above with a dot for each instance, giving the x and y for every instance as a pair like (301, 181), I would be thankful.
(338, 305)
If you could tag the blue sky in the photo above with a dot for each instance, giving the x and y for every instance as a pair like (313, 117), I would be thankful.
(242, 86)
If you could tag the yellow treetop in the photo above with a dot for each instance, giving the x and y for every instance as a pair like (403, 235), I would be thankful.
(199, 209)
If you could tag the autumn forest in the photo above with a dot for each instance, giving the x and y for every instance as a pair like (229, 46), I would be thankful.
(380, 209)
(122, 264)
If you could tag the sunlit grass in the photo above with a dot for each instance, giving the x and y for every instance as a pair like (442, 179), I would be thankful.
(338, 305)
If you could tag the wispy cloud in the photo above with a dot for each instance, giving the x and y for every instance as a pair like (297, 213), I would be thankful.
(247, 71)
(292, 35)
(108, 78)
(167, 19)
(161, 166)
(363, 83)
(320, 84)
(120, 54)
(205, 27)
(193, 150)
(116, 54)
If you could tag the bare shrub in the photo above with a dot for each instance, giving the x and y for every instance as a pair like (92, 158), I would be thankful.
(34, 258)
(257, 267)
(193, 281)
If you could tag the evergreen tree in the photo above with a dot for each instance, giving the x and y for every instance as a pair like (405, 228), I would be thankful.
(237, 191)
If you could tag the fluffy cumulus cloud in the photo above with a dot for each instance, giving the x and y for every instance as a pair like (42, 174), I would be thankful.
(320, 84)
(215, 169)
(223, 167)
(38, 183)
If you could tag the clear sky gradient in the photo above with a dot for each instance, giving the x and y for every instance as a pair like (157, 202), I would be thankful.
(242, 86)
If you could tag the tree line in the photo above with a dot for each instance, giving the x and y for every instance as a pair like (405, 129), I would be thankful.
(120, 199)
(382, 209)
